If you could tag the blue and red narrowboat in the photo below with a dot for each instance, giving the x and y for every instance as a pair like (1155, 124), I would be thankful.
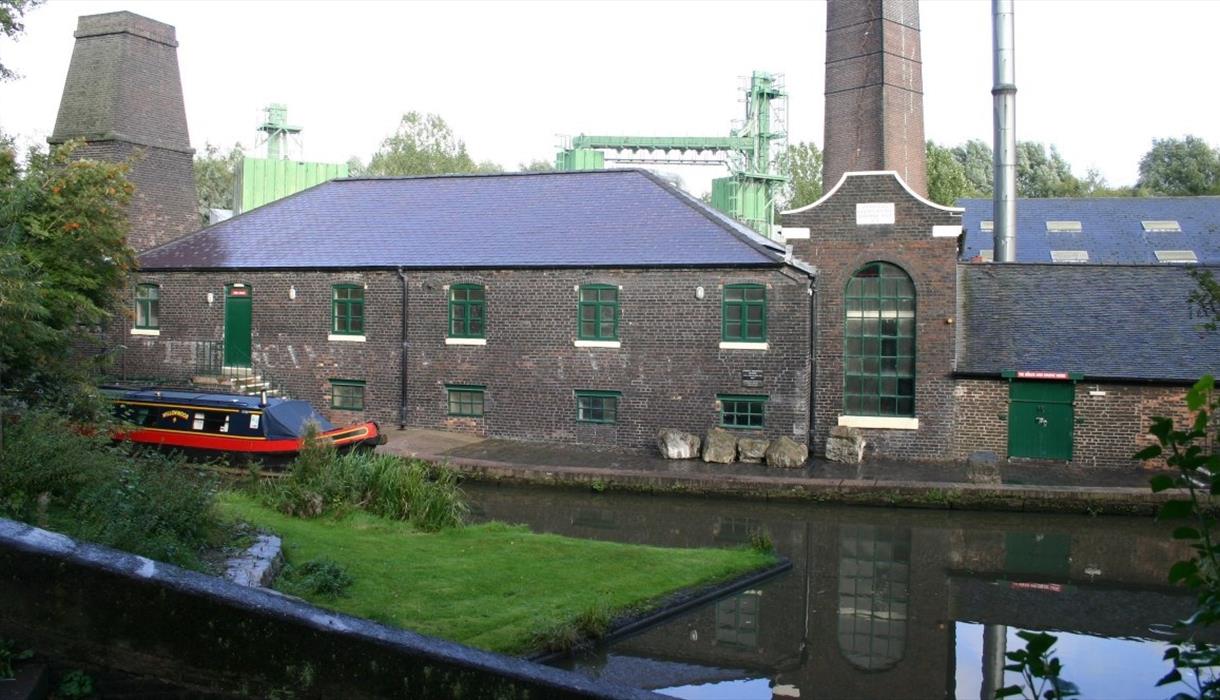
(228, 424)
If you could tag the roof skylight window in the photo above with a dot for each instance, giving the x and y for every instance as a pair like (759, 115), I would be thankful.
(1166, 226)
(987, 226)
(1063, 227)
(1070, 256)
(1176, 256)
(987, 255)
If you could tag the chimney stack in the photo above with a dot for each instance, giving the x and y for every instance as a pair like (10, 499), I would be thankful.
(1004, 120)
(123, 98)
(874, 91)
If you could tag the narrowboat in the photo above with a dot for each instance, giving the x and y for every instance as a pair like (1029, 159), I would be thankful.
(228, 424)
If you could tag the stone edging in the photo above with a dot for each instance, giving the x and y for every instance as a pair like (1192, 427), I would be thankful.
(258, 565)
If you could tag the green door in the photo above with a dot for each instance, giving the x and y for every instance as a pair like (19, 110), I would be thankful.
(237, 325)
(1040, 419)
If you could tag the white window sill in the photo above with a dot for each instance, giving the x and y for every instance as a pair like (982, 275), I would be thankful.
(346, 338)
(145, 331)
(739, 345)
(886, 422)
(465, 341)
(597, 343)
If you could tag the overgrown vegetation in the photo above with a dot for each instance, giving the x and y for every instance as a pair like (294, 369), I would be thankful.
(82, 485)
(491, 585)
(322, 481)
(322, 578)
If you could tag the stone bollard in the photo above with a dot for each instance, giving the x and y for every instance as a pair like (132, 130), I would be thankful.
(786, 453)
(752, 450)
(720, 446)
(675, 444)
(845, 445)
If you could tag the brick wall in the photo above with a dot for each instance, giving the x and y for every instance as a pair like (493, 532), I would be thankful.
(1112, 420)
(839, 247)
(669, 367)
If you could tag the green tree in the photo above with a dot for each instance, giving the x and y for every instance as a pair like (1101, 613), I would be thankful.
(1044, 174)
(488, 166)
(1180, 167)
(536, 166)
(802, 163)
(216, 177)
(946, 177)
(11, 12)
(975, 159)
(423, 144)
(64, 263)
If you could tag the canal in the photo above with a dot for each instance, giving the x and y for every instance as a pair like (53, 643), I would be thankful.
(880, 603)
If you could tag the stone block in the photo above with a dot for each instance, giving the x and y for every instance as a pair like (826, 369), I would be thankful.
(983, 468)
(720, 446)
(845, 445)
(752, 450)
(786, 453)
(676, 444)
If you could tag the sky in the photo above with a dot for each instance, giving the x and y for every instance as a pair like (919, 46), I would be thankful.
(1100, 80)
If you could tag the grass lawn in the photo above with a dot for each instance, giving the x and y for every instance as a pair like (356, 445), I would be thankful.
(492, 586)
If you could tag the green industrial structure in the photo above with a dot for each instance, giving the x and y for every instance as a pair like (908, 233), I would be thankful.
(750, 151)
(263, 180)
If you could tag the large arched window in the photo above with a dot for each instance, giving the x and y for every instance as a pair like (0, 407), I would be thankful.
(879, 342)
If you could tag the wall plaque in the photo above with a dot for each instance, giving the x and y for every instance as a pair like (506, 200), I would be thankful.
(874, 213)
(751, 378)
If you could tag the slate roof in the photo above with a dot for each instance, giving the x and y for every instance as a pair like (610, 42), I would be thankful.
(604, 218)
(1111, 229)
(1106, 321)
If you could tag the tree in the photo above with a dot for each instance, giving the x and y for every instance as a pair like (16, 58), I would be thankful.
(975, 159)
(488, 167)
(216, 177)
(11, 12)
(1044, 174)
(423, 144)
(536, 166)
(1180, 167)
(802, 163)
(64, 263)
(946, 176)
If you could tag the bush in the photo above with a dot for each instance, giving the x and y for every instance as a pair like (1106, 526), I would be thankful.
(55, 474)
(322, 481)
(318, 577)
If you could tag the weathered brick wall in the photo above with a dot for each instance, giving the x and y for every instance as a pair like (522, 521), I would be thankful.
(669, 367)
(839, 247)
(1112, 420)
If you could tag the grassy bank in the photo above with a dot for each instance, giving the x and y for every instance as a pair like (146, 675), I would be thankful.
(492, 586)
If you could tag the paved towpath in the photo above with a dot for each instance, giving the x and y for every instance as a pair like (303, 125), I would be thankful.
(1024, 486)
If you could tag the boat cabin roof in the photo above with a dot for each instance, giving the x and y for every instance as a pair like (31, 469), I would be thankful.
(194, 398)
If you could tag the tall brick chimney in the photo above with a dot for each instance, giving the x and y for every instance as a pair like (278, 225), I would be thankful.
(874, 91)
(123, 97)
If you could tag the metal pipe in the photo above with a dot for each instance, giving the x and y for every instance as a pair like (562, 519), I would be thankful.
(1004, 101)
(402, 358)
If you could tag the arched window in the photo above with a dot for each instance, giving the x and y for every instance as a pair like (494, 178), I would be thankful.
(879, 342)
(148, 306)
(874, 592)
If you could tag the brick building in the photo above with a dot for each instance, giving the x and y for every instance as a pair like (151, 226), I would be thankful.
(591, 307)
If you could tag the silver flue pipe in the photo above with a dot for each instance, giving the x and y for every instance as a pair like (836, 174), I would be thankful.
(1004, 99)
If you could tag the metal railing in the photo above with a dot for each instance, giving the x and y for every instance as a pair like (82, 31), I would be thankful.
(209, 363)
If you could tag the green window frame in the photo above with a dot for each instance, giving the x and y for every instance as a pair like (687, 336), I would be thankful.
(465, 400)
(879, 342)
(597, 406)
(148, 306)
(742, 411)
(743, 313)
(347, 309)
(597, 312)
(347, 394)
(467, 311)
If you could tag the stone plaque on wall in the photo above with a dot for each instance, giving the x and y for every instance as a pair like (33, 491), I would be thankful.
(752, 378)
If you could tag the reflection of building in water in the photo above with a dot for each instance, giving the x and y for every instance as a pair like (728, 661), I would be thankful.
(874, 573)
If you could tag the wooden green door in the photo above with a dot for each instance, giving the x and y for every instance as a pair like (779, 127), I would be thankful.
(237, 325)
(1041, 420)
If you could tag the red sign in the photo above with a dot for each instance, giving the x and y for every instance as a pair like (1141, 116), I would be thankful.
(1031, 374)
(1032, 586)
(239, 292)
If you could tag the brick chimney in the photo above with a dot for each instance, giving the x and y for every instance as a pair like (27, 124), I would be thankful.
(123, 97)
(874, 91)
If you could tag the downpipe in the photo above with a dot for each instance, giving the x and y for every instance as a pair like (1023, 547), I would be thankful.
(402, 358)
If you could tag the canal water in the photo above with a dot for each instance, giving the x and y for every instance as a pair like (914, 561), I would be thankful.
(881, 603)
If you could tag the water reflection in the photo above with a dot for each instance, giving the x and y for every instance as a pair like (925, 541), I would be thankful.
(881, 603)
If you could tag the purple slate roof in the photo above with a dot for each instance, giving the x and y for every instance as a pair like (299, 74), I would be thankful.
(607, 218)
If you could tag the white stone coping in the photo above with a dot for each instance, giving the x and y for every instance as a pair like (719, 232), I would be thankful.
(739, 345)
(146, 331)
(885, 422)
(346, 338)
(597, 343)
(465, 341)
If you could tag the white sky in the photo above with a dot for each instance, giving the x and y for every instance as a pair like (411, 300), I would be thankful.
(1098, 79)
